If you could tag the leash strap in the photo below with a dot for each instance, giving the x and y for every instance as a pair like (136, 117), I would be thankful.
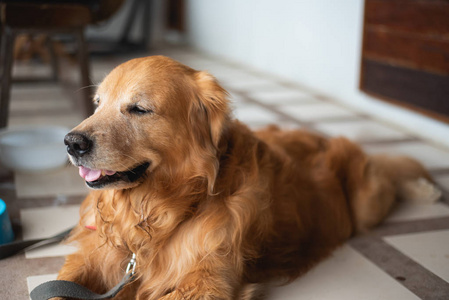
(13, 248)
(63, 288)
(72, 290)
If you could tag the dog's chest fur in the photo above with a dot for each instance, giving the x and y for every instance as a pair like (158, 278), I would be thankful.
(170, 243)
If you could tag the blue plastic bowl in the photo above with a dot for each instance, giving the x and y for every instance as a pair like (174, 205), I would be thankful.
(6, 234)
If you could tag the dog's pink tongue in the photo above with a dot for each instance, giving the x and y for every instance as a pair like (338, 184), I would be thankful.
(89, 174)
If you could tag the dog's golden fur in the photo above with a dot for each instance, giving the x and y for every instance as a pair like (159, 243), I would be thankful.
(220, 207)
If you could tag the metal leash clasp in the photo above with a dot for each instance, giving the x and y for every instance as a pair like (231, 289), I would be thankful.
(132, 265)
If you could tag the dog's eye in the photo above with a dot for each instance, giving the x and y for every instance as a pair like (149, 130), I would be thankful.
(139, 110)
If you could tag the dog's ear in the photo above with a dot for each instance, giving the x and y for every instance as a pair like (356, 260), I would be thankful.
(211, 107)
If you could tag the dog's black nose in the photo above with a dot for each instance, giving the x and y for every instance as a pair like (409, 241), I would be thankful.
(77, 144)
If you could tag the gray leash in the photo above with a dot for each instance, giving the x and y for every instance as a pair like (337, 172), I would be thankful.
(13, 248)
(63, 288)
(69, 289)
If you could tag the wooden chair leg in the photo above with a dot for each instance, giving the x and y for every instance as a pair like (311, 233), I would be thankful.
(86, 86)
(1, 50)
(126, 32)
(53, 59)
(146, 22)
(6, 58)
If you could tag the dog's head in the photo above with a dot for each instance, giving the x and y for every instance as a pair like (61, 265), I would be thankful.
(153, 115)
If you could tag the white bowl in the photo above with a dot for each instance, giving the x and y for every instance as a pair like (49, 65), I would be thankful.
(33, 149)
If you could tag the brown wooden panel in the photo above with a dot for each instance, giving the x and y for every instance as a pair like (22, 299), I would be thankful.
(422, 53)
(413, 16)
(54, 16)
(420, 89)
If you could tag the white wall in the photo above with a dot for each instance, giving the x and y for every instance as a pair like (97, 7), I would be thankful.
(314, 42)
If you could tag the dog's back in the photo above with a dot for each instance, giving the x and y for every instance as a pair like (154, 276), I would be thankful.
(327, 190)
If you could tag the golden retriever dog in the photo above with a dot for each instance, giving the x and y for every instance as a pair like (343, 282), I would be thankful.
(211, 209)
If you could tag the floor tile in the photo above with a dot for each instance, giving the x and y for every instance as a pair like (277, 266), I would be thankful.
(64, 181)
(67, 119)
(103, 65)
(99, 70)
(225, 75)
(30, 92)
(429, 249)
(31, 69)
(46, 222)
(346, 275)
(430, 156)
(249, 83)
(411, 212)
(192, 59)
(443, 181)
(34, 281)
(253, 114)
(316, 112)
(284, 125)
(288, 125)
(39, 104)
(236, 97)
(282, 96)
(203, 65)
(240, 105)
(218, 70)
(361, 131)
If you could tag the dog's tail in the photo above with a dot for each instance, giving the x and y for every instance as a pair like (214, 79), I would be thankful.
(374, 182)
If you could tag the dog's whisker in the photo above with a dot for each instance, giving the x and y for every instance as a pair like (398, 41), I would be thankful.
(130, 169)
(126, 168)
(130, 157)
(86, 87)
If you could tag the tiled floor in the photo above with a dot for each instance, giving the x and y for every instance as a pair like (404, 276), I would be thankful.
(407, 257)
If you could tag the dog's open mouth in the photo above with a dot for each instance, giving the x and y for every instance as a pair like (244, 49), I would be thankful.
(99, 178)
